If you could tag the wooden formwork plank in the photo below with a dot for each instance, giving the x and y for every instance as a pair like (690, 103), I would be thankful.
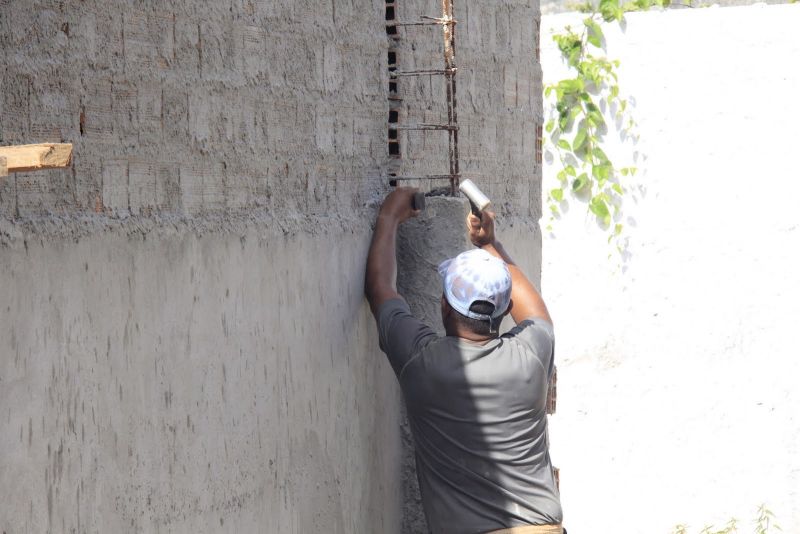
(22, 158)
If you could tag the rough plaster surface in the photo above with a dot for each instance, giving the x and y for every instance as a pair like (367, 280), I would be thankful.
(185, 108)
(678, 397)
(184, 342)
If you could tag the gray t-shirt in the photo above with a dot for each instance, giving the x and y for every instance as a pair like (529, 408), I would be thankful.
(477, 413)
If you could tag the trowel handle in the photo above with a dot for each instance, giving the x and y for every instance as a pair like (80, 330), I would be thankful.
(418, 201)
(474, 209)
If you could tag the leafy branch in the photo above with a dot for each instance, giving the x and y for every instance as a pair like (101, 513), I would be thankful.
(764, 524)
(577, 125)
(765, 520)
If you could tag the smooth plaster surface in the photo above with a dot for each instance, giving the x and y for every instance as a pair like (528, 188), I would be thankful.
(185, 383)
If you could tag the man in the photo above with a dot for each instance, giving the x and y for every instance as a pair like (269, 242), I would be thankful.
(476, 400)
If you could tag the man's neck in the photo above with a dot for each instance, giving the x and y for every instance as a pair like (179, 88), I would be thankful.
(469, 335)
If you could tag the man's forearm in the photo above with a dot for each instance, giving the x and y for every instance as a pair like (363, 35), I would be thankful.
(527, 302)
(381, 273)
(496, 249)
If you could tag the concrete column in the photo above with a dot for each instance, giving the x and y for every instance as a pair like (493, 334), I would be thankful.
(423, 243)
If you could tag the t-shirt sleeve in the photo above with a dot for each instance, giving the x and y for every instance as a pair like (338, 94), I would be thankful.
(400, 334)
(538, 336)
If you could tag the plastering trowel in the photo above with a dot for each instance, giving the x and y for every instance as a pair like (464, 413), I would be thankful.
(477, 200)
(417, 201)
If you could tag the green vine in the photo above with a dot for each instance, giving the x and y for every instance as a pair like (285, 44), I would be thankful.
(764, 523)
(577, 126)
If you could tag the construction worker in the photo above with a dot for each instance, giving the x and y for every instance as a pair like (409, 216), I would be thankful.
(476, 399)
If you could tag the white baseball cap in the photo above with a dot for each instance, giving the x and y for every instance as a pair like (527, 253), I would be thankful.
(476, 275)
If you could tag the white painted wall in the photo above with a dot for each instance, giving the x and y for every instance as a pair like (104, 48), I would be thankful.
(678, 395)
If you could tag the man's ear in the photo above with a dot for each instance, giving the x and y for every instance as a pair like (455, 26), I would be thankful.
(447, 310)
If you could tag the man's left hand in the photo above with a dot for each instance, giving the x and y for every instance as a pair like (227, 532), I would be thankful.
(399, 204)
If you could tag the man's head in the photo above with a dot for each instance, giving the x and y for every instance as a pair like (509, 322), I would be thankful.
(477, 290)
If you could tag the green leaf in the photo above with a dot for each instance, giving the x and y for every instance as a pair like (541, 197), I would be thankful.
(557, 194)
(562, 143)
(599, 154)
(618, 229)
(601, 172)
(599, 207)
(571, 85)
(618, 189)
(594, 34)
(569, 169)
(580, 182)
(597, 119)
(562, 176)
(610, 10)
(580, 138)
(550, 125)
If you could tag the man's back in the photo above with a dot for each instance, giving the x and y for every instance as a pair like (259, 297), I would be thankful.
(476, 400)
(477, 412)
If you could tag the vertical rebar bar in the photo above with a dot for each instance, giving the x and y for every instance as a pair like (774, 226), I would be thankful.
(449, 30)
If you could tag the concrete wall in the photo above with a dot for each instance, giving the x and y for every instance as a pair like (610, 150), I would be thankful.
(170, 381)
(184, 344)
(678, 391)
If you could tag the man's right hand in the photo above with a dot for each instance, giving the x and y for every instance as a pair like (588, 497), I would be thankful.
(481, 230)
(526, 301)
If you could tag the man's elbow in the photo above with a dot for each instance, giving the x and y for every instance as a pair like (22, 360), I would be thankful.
(369, 291)
(377, 294)
(372, 292)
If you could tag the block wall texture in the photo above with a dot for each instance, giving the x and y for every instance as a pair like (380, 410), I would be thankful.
(498, 98)
(181, 107)
(184, 343)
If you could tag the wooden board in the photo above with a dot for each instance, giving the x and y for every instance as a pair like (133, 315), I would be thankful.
(21, 158)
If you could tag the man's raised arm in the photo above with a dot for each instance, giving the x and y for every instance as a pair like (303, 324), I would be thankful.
(381, 276)
(526, 302)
